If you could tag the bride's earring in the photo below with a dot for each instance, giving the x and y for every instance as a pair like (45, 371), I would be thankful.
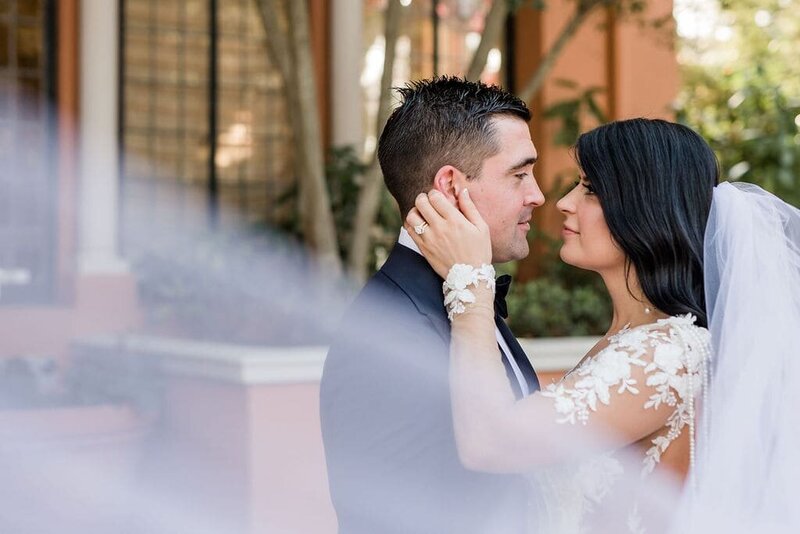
(647, 310)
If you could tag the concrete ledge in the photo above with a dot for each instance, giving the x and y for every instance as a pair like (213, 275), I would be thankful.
(252, 365)
(239, 364)
(557, 353)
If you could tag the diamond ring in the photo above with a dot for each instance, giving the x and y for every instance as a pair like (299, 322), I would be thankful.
(420, 228)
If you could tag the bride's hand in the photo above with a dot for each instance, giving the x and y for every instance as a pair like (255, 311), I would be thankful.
(451, 236)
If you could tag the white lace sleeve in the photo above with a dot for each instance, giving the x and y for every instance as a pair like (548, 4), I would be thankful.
(638, 384)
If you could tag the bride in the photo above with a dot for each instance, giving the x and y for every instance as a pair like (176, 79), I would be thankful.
(644, 215)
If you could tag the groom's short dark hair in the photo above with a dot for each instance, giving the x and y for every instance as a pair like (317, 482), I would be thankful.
(441, 121)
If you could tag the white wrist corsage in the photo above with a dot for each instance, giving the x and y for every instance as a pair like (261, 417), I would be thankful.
(455, 287)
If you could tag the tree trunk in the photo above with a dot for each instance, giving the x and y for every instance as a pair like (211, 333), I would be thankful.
(370, 195)
(289, 43)
(275, 20)
(273, 17)
(492, 31)
(318, 223)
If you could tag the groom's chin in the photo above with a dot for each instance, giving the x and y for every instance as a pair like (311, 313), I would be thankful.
(519, 252)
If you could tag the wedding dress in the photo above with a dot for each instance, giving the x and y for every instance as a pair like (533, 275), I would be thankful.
(662, 363)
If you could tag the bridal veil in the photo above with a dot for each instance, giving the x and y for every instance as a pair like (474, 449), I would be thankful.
(748, 454)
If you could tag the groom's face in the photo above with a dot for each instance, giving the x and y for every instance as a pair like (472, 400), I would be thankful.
(506, 192)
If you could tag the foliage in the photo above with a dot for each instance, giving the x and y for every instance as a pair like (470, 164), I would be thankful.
(31, 382)
(570, 111)
(741, 92)
(513, 5)
(38, 382)
(209, 286)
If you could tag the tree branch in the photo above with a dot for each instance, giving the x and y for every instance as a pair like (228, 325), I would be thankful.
(273, 17)
(370, 195)
(318, 224)
(492, 30)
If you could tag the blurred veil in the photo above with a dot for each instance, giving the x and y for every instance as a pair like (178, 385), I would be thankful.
(748, 457)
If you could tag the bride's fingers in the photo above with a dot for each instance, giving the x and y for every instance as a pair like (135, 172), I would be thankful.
(443, 207)
(428, 212)
(469, 209)
(414, 218)
(413, 221)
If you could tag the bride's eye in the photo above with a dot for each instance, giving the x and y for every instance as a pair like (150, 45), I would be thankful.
(589, 188)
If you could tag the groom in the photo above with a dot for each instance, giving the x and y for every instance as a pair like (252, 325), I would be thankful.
(392, 461)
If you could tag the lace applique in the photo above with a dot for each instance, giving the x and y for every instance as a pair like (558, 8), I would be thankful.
(611, 368)
(674, 366)
(456, 287)
(635, 521)
(669, 356)
(675, 370)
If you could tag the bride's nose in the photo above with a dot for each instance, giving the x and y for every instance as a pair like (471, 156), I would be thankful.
(565, 204)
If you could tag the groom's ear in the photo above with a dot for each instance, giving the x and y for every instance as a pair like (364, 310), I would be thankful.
(447, 182)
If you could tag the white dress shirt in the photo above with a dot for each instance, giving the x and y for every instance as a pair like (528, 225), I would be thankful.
(406, 241)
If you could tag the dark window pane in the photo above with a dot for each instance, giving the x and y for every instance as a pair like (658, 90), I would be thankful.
(26, 164)
(29, 8)
(29, 47)
(3, 43)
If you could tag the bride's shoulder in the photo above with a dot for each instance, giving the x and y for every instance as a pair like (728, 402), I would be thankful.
(685, 330)
(678, 333)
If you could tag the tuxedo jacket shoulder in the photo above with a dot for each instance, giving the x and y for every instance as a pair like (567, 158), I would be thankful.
(386, 420)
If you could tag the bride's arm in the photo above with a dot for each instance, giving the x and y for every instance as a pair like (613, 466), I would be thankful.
(602, 406)
(597, 408)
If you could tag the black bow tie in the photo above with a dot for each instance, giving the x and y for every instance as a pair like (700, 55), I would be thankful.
(502, 285)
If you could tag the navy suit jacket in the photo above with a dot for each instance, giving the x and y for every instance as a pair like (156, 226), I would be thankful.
(386, 420)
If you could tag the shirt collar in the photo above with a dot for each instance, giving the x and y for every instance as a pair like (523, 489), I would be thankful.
(406, 240)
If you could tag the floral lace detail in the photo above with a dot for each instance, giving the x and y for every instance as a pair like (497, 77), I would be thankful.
(635, 521)
(670, 353)
(456, 286)
(611, 367)
(675, 370)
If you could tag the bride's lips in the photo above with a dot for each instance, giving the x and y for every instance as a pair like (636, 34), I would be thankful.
(567, 231)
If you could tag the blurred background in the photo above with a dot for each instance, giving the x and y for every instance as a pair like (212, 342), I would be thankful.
(189, 196)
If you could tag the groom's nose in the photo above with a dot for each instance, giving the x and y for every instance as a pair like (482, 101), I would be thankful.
(533, 195)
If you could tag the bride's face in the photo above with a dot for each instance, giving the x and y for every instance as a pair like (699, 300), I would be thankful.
(587, 240)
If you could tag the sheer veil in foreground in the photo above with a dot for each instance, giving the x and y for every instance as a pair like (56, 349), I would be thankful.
(748, 455)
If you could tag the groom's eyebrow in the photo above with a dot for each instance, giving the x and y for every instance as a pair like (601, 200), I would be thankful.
(522, 164)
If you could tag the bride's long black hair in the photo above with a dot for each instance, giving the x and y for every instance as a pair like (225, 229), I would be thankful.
(654, 180)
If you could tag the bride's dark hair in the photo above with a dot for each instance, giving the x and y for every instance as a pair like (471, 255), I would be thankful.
(654, 180)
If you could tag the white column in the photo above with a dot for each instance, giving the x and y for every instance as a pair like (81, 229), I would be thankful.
(347, 54)
(99, 153)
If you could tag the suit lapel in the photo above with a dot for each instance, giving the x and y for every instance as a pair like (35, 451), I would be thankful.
(411, 273)
(518, 354)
